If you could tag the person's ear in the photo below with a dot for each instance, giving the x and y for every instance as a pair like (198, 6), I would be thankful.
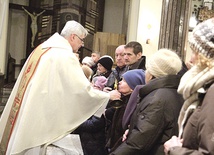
(150, 77)
(72, 37)
(139, 55)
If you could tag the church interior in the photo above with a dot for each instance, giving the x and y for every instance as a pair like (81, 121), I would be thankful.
(24, 24)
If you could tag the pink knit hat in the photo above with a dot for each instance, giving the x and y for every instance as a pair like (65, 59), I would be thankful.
(99, 82)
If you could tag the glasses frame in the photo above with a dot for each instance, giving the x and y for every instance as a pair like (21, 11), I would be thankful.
(80, 38)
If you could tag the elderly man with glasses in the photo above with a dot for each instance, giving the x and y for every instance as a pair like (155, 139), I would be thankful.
(51, 97)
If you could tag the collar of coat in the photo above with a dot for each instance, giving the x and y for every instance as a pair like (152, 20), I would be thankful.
(170, 81)
(140, 64)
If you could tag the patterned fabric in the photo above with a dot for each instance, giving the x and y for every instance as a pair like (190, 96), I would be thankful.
(202, 38)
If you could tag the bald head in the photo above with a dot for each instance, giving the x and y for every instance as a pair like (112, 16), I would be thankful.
(119, 56)
(120, 48)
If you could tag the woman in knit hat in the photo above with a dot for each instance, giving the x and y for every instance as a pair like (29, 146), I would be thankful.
(196, 125)
(114, 114)
(104, 66)
(155, 118)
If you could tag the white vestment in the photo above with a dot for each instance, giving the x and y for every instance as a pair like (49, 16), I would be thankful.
(57, 100)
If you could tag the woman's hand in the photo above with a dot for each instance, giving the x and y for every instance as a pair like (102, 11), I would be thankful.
(125, 135)
(174, 141)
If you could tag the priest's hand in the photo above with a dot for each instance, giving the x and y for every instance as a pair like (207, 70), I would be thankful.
(114, 95)
(107, 89)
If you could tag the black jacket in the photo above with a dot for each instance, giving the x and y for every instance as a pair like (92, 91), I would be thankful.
(140, 64)
(92, 136)
(155, 118)
(114, 130)
(116, 74)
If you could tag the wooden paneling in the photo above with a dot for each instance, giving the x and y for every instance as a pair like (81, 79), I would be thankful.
(111, 50)
(107, 41)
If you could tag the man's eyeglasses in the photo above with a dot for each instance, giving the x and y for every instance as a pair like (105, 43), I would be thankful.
(80, 38)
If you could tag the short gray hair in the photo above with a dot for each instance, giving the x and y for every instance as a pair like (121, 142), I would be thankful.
(73, 27)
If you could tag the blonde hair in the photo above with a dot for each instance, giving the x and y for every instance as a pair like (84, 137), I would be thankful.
(204, 62)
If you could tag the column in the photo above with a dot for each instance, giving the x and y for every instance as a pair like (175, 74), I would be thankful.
(4, 9)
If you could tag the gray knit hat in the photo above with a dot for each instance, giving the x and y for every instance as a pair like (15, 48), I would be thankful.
(164, 62)
(202, 38)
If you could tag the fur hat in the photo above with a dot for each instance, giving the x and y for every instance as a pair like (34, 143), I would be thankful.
(106, 61)
(134, 77)
(164, 62)
(202, 38)
(99, 82)
(88, 61)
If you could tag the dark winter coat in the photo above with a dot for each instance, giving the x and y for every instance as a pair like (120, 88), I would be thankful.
(114, 130)
(155, 118)
(116, 74)
(92, 136)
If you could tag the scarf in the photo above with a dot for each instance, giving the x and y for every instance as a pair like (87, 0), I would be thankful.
(190, 86)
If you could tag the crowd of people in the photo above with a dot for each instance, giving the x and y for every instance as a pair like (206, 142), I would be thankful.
(151, 107)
